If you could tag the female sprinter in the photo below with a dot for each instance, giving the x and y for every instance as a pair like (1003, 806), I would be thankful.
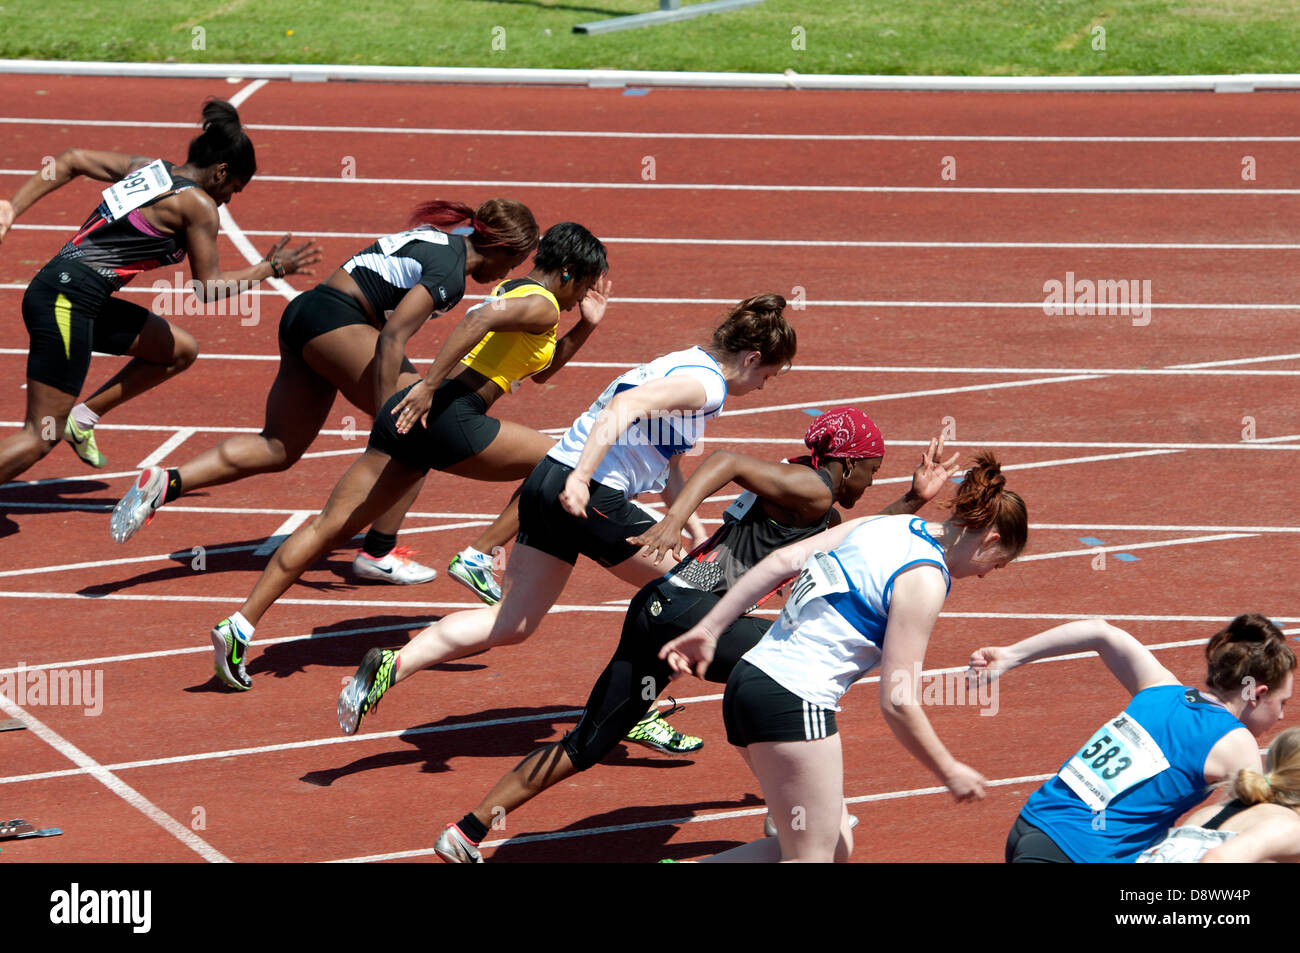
(441, 421)
(868, 595)
(154, 214)
(577, 500)
(783, 503)
(349, 334)
(1259, 824)
(1141, 770)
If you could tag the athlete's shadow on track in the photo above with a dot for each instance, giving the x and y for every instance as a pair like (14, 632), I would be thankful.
(643, 845)
(438, 743)
(61, 494)
(236, 556)
(340, 644)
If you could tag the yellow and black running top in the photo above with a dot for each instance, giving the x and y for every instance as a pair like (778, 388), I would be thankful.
(507, 356)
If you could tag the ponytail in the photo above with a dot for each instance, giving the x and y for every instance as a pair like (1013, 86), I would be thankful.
(497, 223)
(983, 501)
(222, 140)
(1281, 785)
(1250, 648)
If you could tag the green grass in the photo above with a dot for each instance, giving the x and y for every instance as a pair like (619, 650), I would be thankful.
(960, 37)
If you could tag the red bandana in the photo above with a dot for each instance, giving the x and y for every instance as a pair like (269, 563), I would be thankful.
(844, 432)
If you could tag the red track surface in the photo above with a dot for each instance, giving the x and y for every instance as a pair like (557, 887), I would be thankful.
(273, 805)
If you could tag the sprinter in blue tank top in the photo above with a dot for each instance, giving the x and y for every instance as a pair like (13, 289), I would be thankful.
(1140, 771)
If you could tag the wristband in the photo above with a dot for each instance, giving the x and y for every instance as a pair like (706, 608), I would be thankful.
(277, 269)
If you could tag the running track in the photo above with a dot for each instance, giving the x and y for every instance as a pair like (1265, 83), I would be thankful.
(924, 302)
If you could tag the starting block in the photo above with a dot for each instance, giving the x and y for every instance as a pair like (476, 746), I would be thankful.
(18, 829)
(11, 724)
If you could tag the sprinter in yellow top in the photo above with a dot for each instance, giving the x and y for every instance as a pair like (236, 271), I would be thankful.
(441, 421)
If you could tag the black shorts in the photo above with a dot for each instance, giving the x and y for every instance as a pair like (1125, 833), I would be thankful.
(70, 311)
(1027, 844)
(602, 535)
(315, 312)
(757, 708)
(458, 428)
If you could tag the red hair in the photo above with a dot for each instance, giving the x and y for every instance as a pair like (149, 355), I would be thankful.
(497, 223)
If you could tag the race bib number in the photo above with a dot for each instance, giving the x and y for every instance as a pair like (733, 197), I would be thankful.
(391, 243)
(821, 577)
(1184, 845)
(740, 506)
(1120, 755)
(136, 189)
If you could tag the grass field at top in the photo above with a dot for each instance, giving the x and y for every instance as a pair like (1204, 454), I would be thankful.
(935, 37)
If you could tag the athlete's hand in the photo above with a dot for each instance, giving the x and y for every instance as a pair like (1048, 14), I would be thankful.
(575, 496)
(931, 475)
(592, 306)
(295, 261)
(988, 664)
(6, 217)
(663, 538)
(965, 783)
(414, 407)
(691, 653)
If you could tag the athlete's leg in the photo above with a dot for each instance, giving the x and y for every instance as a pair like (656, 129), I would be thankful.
(161, 350)
(47, 411)
(803, 784)
(532, 584)
(362, 493)
(503, 529)
(296, 408)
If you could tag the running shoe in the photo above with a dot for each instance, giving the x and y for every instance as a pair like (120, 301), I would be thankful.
(361, 695)
(455, 848)
(476, 576)
(654, 732)
(232, 652)
(83, 441)
(137, 508)
(769, 825)
(397, 567)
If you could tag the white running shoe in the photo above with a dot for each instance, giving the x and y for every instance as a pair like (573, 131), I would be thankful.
(137, 508)
(478, 576)
(455, 848)
(397, 567)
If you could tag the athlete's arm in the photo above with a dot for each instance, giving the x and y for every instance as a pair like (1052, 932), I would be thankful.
(691, 653)
(918, 596)
(591, 310)
(1276, 838)
(104, 166)
(676, 393)
(1236, 751)
(796, 488)
(1128, 659)
(408, 317)
(532, 313)
(928, 480)
(200, 222)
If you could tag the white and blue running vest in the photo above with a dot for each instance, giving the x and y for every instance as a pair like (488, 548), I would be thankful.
(833, 626)
(638, 460)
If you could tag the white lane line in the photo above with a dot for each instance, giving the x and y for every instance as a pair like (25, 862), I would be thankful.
(1239, 360)
(436, 729)
(167, 446)
(251, 254)
(807, 242)
(1093, 551)
(104, 776)
(244, 92)
(610, 134)
(899, 395)
(285, 530)
(1163, 306)
(1160, 527)
(641, 186)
